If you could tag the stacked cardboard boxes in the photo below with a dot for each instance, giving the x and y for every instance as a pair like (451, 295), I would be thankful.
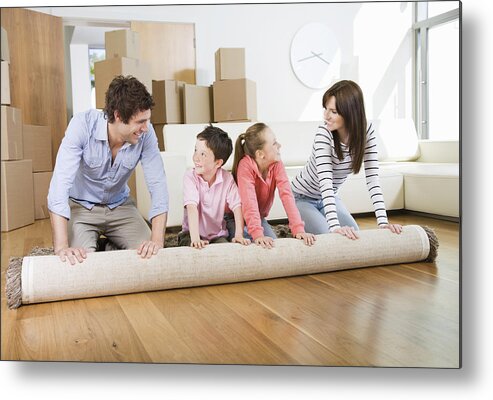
(235, 96)
(168, 108)
(122, 58)
(25, 160)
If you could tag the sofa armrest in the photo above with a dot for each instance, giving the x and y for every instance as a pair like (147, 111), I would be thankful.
(439, 151)
(175, 167)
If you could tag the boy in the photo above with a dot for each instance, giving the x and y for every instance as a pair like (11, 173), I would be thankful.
(209, 192)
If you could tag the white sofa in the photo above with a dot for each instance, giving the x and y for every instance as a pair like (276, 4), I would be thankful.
(414, 175)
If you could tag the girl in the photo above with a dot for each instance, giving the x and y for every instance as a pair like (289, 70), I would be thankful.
(340, 147)
(258, 170)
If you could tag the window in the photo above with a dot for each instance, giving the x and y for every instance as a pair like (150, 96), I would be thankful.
(437, 74)
(94, 56)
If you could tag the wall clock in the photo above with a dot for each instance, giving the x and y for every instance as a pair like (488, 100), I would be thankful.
(315, 55)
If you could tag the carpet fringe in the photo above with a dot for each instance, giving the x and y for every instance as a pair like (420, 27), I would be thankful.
(13, 285)
(432, 237)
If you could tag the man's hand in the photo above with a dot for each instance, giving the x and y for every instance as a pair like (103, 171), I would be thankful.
(74, 254)
(148, 248)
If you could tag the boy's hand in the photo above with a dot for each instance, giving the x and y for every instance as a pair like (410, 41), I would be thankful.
(241, 240)
(199, 243)
(308, 238)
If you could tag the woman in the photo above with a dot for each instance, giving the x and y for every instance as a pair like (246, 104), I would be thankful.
(340, 147)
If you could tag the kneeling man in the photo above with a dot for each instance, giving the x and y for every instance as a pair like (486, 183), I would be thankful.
(89, 195)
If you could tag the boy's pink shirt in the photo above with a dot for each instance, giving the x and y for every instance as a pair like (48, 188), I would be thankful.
(257, 195)
(211, 202)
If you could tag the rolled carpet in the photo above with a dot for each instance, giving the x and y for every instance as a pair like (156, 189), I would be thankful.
(40, 279)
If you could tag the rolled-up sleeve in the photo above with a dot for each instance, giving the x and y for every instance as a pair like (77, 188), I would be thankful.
(154, 175)
(66, 166)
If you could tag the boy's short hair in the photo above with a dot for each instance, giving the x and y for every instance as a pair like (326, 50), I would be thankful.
(218, 141)
(128, 96)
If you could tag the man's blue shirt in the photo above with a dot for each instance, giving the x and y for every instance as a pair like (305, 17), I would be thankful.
(84, 171)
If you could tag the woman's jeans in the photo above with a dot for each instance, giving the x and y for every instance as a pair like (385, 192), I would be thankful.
(230, 224)
(312, 213)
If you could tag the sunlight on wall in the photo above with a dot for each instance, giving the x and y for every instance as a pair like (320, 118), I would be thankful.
(383, 48)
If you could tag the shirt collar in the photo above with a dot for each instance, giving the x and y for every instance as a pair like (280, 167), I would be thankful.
(102, 129)
(255, 166)
(219, 177)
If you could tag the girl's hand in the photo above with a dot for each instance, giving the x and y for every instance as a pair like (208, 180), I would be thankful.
(199, 243)
(347, 231)
(395, 228)
(308, 238)
(265, 241)
(241, 240)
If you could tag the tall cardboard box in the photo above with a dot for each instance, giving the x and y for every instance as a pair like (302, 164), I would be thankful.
(37, 146)
(11, 133)
(41, 184)
(5, 53)
(122, 43)
(105, 71)
(159, 129)
(168, 99)
(197, 104)
(5, 83)
(230, 63)
(16, 194)
(235, 100)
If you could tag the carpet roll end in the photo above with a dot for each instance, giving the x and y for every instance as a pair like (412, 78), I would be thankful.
(432, 237)
(13, 286)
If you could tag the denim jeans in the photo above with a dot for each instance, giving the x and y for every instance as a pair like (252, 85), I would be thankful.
(312, 213)
(230, 224)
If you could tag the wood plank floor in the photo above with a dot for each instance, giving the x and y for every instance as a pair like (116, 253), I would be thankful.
(402, 315)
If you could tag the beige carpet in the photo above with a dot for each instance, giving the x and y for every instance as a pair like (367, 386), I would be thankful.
(45, 278)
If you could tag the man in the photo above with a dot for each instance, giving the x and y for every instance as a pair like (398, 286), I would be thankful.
(89, 195)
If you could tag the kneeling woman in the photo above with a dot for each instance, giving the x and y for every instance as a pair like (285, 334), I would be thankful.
(340, 147)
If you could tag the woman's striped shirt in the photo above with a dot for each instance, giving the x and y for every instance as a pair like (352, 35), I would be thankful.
(324, 173)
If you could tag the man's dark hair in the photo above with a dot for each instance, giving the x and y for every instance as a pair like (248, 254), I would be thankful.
(218, 141)
(128, 96)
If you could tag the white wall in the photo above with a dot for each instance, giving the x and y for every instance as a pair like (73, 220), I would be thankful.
(81, 81)
(375, 40)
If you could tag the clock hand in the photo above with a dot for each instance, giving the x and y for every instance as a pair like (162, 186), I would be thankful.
(307, 58)
(318, 56)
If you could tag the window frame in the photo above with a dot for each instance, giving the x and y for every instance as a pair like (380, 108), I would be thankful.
(421, 26)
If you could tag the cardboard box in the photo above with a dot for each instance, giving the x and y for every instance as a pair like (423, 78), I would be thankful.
(168, 97)
(159, 129)
(230, 63)
(235, 100)
(5, 52)
(37, 146)
(11, 133)
(16, 194)
(5, 83)
(41, 184)
(197, 104)
(122, 43)
(105, 71)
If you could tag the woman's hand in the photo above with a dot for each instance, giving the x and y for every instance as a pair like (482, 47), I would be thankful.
(308, 238)
(395, 228)
(241, 240)
(265, 241)
(347, 231)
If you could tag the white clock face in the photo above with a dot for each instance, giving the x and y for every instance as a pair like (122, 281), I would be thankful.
(316, 56)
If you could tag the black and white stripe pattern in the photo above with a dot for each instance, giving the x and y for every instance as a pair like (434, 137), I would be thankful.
(324, 173)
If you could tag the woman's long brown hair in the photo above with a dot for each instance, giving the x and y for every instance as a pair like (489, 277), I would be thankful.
(350, 106)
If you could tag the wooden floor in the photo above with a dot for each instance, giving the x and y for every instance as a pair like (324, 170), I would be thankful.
(403, 315)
